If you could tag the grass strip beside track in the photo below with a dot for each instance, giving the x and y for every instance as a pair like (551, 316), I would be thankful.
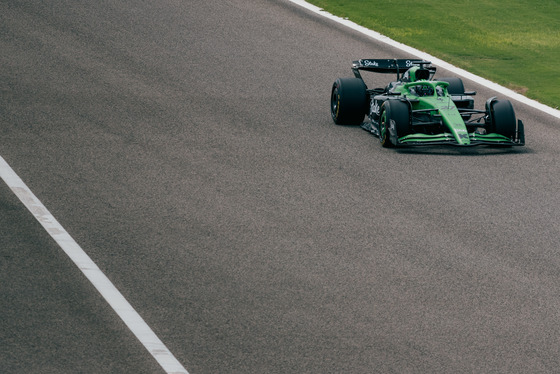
(514, 43)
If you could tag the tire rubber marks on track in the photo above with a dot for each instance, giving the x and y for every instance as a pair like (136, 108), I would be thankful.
(109, 292)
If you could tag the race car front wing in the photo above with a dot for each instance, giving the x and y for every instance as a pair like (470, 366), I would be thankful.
(421, 139)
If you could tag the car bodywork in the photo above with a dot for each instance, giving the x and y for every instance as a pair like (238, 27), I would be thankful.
(417, 110)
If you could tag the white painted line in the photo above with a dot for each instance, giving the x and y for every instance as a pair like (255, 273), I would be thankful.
(425, 56)
(109, 292)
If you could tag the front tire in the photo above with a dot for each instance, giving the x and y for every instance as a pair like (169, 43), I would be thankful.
(348, 101)
(503, 119)
(397, 112)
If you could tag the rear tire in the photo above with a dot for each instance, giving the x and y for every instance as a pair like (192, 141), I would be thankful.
(348, 101)
(455, 87)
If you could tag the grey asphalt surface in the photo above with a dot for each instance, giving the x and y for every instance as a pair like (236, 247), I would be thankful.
(188, 148)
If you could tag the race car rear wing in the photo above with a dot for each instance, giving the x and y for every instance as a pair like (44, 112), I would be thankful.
(389, 66)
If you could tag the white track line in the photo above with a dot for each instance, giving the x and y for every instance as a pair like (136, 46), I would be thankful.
(117, 301)
(436, 61)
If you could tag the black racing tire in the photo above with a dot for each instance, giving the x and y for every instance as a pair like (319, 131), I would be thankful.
(503, 118)
(398, 112)
(348, 101)
(455, 87)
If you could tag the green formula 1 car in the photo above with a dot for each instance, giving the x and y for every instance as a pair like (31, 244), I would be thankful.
(417, 110)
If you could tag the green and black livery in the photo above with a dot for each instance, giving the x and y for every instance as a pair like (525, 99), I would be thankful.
(417, 110)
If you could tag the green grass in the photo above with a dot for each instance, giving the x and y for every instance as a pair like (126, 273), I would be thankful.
(515, 43)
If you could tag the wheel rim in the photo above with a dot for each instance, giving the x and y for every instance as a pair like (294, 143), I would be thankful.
(383, 127)
(334, 103)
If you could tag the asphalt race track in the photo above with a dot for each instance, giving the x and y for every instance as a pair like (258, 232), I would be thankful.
(187, 146)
